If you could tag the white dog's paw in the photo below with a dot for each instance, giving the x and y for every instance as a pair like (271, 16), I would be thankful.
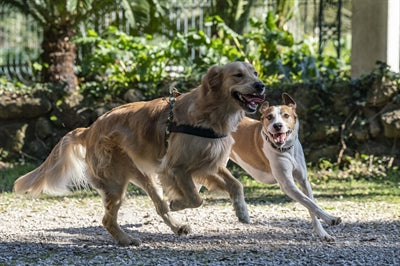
(335, 221)
(329, 238)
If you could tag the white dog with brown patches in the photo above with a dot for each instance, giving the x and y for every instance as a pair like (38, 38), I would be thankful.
(270, 151)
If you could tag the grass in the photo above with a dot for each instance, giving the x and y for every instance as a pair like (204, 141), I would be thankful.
(10, 172)
(358, 181)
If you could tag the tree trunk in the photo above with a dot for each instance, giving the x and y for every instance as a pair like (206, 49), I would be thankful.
(58, 56)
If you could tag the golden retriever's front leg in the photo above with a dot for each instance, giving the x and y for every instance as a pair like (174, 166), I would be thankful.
(235, 190)
(164, 211)
(180, 188)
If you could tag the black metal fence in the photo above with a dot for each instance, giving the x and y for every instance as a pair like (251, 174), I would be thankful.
(21, 36)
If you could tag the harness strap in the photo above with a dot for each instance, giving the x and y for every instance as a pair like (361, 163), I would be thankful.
(194, 130)
(186, 129)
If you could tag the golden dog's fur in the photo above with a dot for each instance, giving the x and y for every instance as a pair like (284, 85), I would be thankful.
(127, 144)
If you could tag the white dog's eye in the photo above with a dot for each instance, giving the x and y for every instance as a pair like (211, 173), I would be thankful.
(256, 74)
(285, 115)
(269, 117)
(239, 75)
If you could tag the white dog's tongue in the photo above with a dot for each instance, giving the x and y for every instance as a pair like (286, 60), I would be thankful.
(280, 138)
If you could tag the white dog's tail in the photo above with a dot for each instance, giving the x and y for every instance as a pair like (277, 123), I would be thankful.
(63, 169)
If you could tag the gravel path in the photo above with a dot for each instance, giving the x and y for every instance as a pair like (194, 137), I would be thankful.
(67, 230)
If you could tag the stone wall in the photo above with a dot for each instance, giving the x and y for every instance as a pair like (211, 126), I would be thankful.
(342, 118)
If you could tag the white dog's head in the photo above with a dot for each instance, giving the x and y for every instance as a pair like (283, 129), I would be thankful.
(279, 122)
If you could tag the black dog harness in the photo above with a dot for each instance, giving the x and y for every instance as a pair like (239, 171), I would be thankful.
(172, 126)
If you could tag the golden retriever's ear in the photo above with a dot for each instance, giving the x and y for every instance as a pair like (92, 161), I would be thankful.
(213, 79)
(263, 107)
(288, 100)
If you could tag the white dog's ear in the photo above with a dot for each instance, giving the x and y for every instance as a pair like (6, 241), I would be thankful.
(213, 79)
(288, 100)
(263, 107)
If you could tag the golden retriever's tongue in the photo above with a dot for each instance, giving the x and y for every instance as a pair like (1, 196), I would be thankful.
(254, 98)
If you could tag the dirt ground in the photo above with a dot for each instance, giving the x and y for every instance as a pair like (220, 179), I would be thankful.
(68, 231)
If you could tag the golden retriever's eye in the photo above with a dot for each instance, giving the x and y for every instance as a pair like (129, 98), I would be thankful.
(239, 75)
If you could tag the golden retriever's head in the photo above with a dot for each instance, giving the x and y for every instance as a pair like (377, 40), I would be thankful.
(236, 81)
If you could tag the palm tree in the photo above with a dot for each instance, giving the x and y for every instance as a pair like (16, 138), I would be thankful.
(235, 13)
(60, 19)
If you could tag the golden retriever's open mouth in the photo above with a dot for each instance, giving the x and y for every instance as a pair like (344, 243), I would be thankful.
(280, 137)
(248, 102)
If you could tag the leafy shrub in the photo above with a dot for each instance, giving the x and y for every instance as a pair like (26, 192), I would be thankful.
(280, 59)
(362, 167)
(119, 61)
(12, 87)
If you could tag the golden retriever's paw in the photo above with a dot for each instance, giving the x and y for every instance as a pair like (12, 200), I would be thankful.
(244, 219)
(128, 241)
(242, 214)
(184, 230)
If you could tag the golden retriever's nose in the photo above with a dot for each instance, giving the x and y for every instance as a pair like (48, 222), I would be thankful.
(259, 86)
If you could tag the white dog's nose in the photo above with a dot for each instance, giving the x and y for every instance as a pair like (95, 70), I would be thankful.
(277, 126)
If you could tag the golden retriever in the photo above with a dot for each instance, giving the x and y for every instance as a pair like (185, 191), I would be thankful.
(128, 144)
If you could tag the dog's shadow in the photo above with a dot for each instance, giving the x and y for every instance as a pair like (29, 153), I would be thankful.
(277, 237)
(273, 230)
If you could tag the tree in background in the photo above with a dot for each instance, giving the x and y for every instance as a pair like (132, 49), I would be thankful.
(60, 19)
(235, 13)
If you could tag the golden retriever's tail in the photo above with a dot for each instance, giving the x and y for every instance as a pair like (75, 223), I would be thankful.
(63, 169)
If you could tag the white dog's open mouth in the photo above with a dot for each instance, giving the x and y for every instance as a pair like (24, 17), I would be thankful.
(249, 102)
(279, 138)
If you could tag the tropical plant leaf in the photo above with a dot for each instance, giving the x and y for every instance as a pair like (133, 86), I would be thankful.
(71, 5)
(128, 12)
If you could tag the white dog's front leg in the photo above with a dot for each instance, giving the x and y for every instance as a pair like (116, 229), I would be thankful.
(288, 186)
(306, 188)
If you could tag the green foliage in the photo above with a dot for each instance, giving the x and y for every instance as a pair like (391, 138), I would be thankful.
(198, 51)
(12, 87)
(280, 59)
(362, 178)
(60, 12)
(10, 172)
(17, 88)
(235, 13)
(120, 61)
(365, 167)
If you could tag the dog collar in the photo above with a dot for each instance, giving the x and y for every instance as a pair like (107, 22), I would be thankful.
(280, 149)
(183, 128)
